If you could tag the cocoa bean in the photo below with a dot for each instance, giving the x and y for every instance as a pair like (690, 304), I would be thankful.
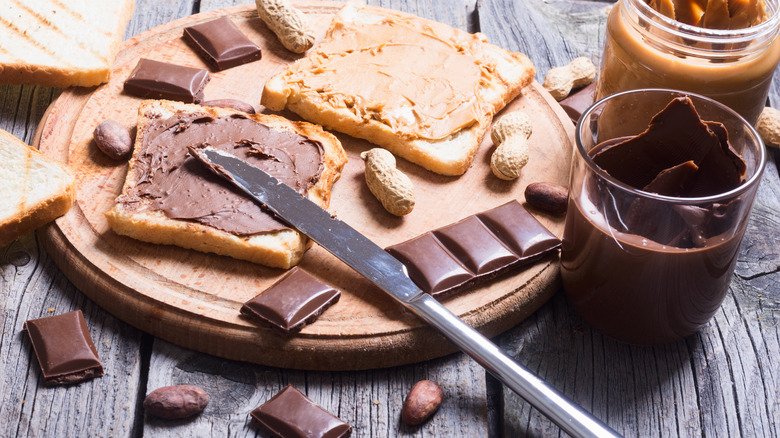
(232, 104)
(549, 197)
(421, 402)
(176, 402)
(113, 140)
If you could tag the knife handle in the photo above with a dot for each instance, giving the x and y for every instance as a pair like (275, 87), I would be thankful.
(555, 406)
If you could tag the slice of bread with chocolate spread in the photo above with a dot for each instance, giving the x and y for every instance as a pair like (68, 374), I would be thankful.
(421, 89)
(169, 197)
(34, 190)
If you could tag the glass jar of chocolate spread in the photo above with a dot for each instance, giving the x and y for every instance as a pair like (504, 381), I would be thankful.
(646, 49)
(660, 194)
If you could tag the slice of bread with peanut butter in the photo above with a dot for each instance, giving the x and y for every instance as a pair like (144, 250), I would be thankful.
(61, 43)
(421, 89)
(169, 197)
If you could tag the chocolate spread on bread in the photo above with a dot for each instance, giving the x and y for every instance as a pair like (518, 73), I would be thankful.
(183, 188)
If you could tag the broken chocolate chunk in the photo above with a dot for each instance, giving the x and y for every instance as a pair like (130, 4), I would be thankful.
(578, 101)
(290, 414)
(64, 348)
(221, 43)
(297, 299)
(160, 80)
(675, 135)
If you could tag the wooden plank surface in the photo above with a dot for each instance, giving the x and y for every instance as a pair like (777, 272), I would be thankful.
(192, 298)
(722, 382)
(370, 400)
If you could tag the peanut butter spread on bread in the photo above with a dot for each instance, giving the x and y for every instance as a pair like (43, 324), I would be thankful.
(422, 82)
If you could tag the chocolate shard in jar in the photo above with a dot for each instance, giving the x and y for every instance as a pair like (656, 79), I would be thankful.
(160, 80)
(675, 135)
(297, 299)
(452, 258)
(64, 348)
(221, 44)
(290, 414)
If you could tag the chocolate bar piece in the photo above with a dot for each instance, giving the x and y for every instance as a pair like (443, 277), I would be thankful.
(64, 348)
(290, 414)
(578, 101)
(221, 43)
(475, 249)
(160, 80)
(292, 302)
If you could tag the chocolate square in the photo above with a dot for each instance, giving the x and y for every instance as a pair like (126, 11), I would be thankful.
(160, 80)
(221, 44)
(429, 264)
(475, 246)
(290, 414)
(64, 348)
(292, 302)
(579, 101)
(519, 230)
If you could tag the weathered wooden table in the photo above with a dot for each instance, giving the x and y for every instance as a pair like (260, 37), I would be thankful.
(723, 381)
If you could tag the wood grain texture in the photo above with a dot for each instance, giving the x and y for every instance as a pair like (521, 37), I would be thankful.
(31, 286)
(192, 299)
(369, 400)
(723, 381)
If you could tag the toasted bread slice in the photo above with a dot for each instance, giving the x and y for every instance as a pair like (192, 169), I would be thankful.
(421, 89)
(35, 189)
(59, 44)
(282, 248)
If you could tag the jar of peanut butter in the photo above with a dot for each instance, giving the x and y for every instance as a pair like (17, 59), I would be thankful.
(645, 48)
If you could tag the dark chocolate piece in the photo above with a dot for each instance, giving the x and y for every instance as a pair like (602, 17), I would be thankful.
(221, 44)
(290, 414)
(292, 302)
(675, 135)
(478, 248)
(430, 265)
(160, 80)
(475, 246)
(671, 182)
(578, 101)
(519, 230)
(64, 348)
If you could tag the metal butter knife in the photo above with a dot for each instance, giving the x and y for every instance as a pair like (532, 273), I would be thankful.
(389, 274)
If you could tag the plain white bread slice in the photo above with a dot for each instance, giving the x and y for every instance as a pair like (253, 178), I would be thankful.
(34, 191)
(61, 43)
(279, 249)
(451, 155)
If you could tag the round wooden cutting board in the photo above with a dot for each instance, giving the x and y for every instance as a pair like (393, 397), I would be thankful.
(193, 299)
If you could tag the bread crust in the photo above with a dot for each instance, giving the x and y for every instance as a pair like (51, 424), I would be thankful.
(59, 190)
(448, 156)
(76, 47)
(280, 249)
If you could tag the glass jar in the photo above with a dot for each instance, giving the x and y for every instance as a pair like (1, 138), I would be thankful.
(617, 271)
(645, 49)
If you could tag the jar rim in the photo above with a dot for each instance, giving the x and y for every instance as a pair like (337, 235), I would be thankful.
(767, 28)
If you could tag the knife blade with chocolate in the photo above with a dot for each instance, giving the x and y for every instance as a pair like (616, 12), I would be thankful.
(390, 275)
